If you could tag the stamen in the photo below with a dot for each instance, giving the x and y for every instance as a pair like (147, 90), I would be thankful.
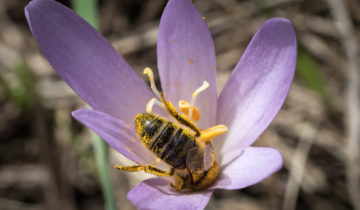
(168, 106)
(149, 73)
(210, 133)
(151, 103)
(203, 87)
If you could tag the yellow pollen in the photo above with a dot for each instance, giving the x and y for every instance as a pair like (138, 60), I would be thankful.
(191, 61)
(203, 17)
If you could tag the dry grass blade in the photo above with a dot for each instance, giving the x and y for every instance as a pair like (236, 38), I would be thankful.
(298, 167)
(348, 40)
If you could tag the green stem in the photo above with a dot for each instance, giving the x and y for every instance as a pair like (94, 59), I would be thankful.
(101, 156)
(89, 11)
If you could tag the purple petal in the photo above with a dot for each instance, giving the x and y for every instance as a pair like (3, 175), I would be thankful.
(118, 134)
(252, 166)
(154, 194)
(258, 85)
(186, 58)
(86, 61)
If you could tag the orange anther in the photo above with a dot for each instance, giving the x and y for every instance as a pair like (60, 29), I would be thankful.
(184, 107)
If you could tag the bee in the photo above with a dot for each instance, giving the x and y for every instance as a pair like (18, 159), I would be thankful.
(180, 143)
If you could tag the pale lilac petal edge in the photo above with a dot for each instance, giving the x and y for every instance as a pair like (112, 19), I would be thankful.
(154, 194)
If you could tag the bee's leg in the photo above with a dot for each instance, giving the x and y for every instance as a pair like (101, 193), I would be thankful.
(182, 180)
(178, 183)
(209, 178)
(181, 118)
(147, 168)
(210, 133)
(190, 110)
(167, 105)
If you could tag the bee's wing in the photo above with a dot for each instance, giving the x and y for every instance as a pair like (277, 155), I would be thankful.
(199, 160)
(209, 156)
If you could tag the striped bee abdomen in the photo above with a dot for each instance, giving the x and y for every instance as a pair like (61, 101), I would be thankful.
(166, 139)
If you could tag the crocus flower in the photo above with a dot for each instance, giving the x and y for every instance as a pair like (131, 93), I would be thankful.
(247, 104)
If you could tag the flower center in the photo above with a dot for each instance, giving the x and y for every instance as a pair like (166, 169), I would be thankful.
(190, 113)
(181, 143)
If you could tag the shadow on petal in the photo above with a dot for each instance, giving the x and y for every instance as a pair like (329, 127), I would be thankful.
(251, 167)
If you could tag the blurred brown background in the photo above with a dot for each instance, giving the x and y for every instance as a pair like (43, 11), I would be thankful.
(47, 158)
